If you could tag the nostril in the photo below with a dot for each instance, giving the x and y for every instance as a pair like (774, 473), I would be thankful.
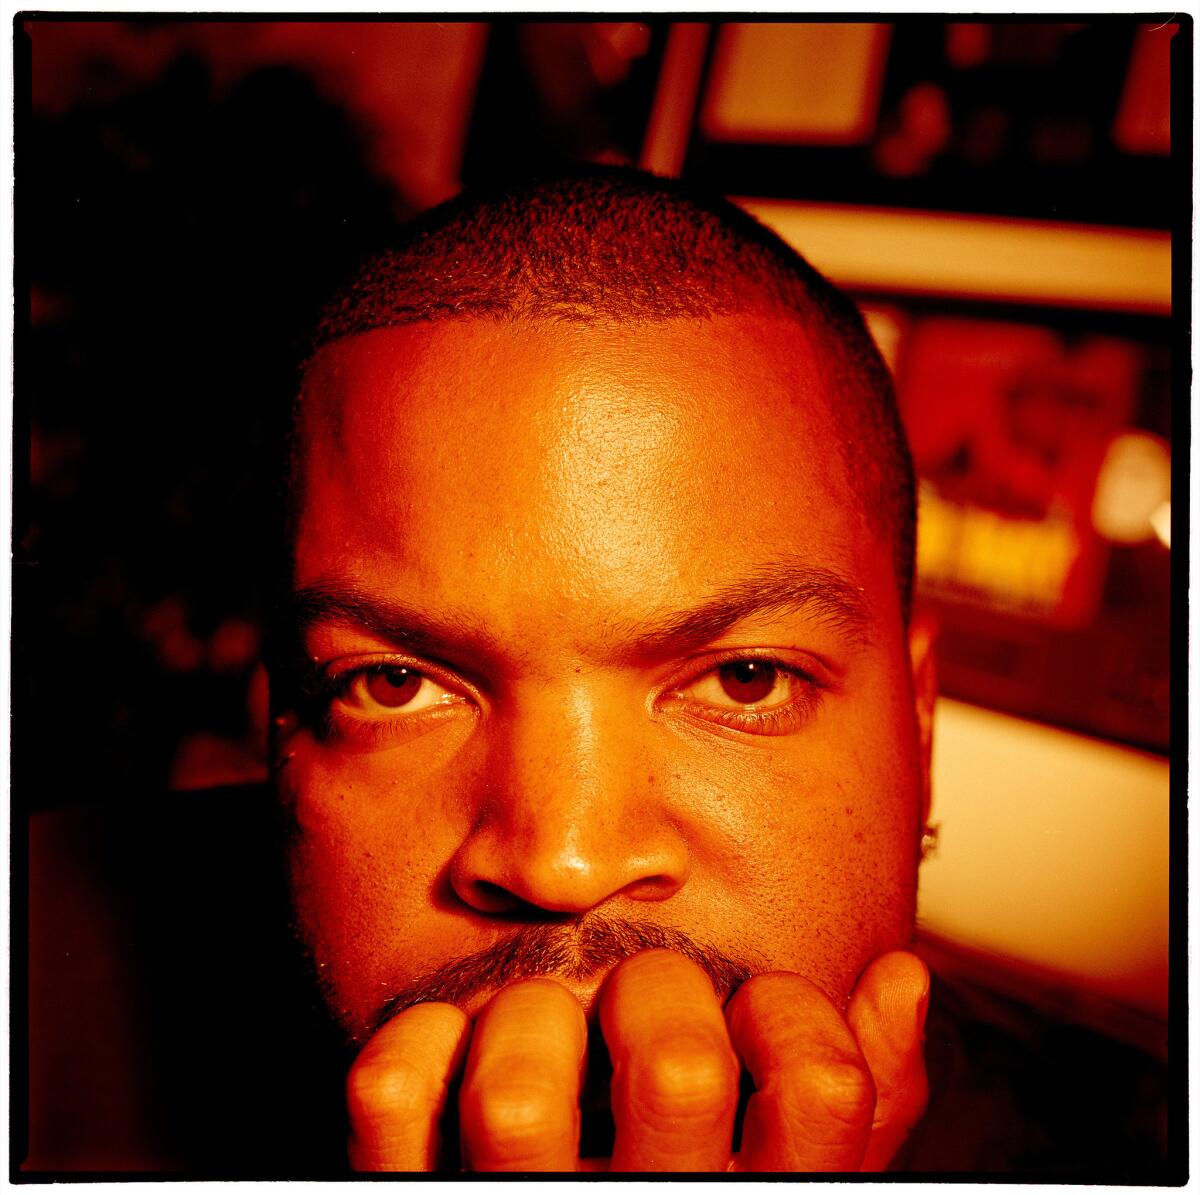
(487, 897)
(654, 887)
(492, 898)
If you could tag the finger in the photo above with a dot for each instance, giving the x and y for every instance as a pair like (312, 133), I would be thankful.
(811, 1109)
(887, 1013)
(397, 1089)
(519, 1106)
(675, 1077)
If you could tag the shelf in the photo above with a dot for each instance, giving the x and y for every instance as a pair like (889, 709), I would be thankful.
(1027, 261)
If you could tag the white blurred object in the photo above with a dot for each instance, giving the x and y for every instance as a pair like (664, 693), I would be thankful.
(1053, 853)
(1133, 484)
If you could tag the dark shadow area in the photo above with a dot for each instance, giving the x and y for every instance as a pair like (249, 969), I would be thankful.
(176, 241)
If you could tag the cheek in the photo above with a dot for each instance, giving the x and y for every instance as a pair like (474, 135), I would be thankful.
(861, 859)
(366, 852)
(809, 845)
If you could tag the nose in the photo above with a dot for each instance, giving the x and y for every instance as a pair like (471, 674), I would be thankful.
(565, 816)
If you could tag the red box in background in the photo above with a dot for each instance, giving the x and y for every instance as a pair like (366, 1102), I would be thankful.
(1045, 519)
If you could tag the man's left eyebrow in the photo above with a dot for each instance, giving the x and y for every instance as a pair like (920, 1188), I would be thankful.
(779, 588)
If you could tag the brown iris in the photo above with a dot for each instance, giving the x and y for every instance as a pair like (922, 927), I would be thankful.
(393, 686)
(748, 682)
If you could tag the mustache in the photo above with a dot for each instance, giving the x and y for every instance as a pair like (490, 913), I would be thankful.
(575, 950)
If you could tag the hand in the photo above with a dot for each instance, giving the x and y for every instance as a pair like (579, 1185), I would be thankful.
(831, 1094)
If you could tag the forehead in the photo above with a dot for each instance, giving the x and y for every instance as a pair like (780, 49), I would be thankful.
(563, 463)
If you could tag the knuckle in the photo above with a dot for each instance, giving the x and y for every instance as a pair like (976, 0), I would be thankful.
(840, 1088)
(376, 1088)
(512, 1117)
(686, 1080)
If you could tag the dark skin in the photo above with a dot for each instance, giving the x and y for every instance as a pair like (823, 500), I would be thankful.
(600, 631)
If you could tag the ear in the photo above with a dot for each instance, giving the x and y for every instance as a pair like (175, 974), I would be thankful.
(922, 637)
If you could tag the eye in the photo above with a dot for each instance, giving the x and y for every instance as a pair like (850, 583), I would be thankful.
(383, 690)
(742, 683)
(371, 704)
(751, 694)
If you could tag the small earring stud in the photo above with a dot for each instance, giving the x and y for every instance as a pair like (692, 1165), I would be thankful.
(929, 839)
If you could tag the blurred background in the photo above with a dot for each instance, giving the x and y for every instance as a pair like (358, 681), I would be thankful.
(998, 196)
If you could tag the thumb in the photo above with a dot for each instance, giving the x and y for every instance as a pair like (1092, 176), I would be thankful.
(887, 1013)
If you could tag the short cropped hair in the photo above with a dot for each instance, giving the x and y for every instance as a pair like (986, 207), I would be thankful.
(613, 244)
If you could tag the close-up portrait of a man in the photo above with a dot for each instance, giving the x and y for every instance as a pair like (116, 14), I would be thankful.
(525, 625)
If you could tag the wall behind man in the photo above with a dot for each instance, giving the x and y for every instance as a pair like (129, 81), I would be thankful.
(1054, 849)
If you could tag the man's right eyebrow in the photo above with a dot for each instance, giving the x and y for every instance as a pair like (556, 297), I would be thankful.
(325, 602)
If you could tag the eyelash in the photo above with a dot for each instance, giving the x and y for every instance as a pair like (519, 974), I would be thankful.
(782, 720)
(324, 689)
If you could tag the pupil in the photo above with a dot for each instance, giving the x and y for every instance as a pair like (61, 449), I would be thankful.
(394, 686)
(748, 681)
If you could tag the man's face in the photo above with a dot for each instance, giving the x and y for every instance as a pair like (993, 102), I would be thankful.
(594, 626)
